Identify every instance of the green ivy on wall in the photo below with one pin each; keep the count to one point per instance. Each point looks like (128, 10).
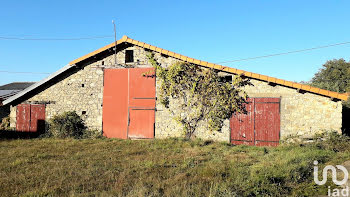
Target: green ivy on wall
(199, 93)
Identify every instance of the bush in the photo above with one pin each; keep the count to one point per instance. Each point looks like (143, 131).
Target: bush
(5, 124)
(66, 125)
(92, 134)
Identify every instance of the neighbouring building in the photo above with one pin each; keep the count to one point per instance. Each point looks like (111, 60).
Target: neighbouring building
(8, 90)
(122, 103)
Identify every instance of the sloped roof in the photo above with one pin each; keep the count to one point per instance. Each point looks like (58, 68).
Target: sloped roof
(217, 67)
(36, 85)
(16, 86)
(126, 39)
(11, 89)
(5, 94)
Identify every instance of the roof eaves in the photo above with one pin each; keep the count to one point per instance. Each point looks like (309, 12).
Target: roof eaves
(219, 67)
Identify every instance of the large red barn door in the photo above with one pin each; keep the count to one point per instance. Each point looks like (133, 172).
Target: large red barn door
(115, 102)
(260, 125)
(142, 103)
(129, 103)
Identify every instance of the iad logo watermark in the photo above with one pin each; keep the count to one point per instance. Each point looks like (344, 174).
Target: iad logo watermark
(336, 191)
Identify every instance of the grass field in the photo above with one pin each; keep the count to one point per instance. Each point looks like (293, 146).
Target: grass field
(172, 167)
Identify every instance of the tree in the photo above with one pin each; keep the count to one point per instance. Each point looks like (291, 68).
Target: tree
(192, 93)
(334, 76)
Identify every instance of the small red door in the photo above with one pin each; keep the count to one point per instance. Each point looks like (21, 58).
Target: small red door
(267, 121)
(37, 118)
(23, 118)
(260, 125)
(242, 126)
(30, 118)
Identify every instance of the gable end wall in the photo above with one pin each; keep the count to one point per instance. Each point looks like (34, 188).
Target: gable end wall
(301, 114)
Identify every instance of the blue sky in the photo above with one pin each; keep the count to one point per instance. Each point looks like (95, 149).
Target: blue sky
(213, 31)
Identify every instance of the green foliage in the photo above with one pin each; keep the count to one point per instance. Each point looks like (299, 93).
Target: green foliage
(67, 124)
(5, 124)
(198, 94)
(92, 134)
(334, 76)
(332, 141)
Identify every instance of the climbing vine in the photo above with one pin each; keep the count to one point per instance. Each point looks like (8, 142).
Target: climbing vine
(193, 94)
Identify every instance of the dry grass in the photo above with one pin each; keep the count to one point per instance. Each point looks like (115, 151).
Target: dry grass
(172, 167)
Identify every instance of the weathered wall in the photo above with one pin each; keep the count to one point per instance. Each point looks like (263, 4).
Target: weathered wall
(301, 113)
(166, 126)
(13, 116)
(80, 92)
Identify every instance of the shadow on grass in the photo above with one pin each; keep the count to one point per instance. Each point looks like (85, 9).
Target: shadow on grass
(11, 134)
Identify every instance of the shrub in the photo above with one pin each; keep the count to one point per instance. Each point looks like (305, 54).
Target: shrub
(67, 124)
(5, 124)
(92, 134)
(332, 141)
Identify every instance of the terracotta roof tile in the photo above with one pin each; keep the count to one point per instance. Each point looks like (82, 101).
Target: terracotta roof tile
(218, 67)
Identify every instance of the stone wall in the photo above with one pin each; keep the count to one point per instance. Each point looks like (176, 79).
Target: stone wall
(166, 126)
(81, 92)
(13, 116)
(301, 113)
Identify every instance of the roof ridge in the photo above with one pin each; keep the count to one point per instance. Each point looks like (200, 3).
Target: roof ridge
(342, 96)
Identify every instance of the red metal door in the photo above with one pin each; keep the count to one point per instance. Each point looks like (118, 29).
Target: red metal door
(23, 118)
(142, 103)
(115, 103)
(129, 103)
(260, 126)
(30, 118)
(141, 124)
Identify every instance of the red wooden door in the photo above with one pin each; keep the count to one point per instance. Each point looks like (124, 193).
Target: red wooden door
(243, 126)
(30, 118)
(260, 125)
(23, 118)
(267, 121)
(129, 103)
(37, 118)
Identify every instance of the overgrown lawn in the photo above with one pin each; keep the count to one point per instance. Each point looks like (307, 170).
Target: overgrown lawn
(172, 167)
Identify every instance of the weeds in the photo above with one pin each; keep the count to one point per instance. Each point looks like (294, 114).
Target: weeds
(171, 167)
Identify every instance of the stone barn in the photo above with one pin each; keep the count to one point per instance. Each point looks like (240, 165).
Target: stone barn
(106, 87)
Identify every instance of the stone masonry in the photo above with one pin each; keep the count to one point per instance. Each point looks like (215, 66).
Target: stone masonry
(301, 113)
